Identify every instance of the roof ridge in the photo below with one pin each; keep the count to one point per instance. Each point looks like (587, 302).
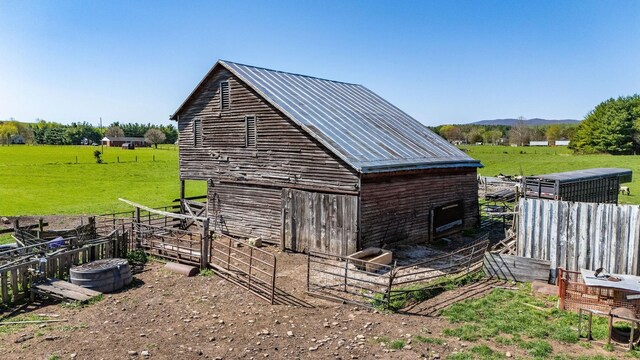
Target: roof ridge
(287, 72)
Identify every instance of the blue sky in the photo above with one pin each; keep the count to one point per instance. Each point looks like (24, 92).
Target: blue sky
(439, 61)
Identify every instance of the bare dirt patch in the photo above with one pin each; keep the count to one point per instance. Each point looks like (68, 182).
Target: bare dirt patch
(173, 317)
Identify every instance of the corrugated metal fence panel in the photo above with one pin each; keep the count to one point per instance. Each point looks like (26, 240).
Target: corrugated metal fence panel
(580, 235)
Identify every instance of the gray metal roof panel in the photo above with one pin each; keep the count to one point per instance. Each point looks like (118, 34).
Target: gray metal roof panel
(586, 174)
(359, 126)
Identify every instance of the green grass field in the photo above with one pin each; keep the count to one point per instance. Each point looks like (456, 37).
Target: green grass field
(544, 160)
(44, 180)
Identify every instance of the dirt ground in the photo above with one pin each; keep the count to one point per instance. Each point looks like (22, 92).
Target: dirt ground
(167, 316)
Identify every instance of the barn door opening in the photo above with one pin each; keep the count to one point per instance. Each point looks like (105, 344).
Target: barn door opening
(319, 222)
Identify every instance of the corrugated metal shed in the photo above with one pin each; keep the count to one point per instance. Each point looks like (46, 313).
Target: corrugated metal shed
(360, 127)
(588, 174)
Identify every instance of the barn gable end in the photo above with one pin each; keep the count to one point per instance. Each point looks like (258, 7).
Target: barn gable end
(313, 164)
(245, 181)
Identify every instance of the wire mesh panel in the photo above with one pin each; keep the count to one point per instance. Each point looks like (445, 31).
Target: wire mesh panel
(576, 295)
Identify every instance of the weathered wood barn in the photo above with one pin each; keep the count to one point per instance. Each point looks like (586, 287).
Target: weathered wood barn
(319, 165)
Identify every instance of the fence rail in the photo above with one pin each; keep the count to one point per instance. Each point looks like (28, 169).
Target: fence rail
(246, 266)
(16, 280)
(342, 279)
(170, 243)
(580, 235)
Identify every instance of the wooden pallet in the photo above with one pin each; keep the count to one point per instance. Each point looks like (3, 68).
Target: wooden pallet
(62, 290)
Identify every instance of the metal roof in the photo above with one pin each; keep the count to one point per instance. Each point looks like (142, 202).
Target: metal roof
(587, 174)
(360, 127)
(123, 138)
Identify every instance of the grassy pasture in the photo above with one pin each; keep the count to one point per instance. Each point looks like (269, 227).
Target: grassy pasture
(43, 180)
(544, 160)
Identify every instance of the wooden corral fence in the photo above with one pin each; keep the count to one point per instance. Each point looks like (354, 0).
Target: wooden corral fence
(169, 243)
(342, 279)
(159, 233)
(123, 221)
(16, 280)
(580, 235)
(30, 235)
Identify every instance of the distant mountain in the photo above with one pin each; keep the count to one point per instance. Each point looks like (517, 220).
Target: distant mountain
(530, 122)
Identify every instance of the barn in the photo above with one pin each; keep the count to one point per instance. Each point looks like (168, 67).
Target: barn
(319, 165)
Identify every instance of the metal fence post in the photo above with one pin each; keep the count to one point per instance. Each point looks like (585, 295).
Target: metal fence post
(308, 269)
(204, 245)
(346, 272)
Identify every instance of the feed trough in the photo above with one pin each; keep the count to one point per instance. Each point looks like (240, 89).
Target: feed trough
(371, 259)
(105, 275)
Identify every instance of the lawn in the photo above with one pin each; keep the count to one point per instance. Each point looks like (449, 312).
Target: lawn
(44, 180)
(515, 318)
(543, 160)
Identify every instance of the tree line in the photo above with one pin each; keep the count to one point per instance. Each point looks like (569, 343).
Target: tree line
(44, 132)
(612, 127)
(519, 134)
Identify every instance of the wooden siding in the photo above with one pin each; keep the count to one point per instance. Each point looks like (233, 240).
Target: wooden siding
(246, 182)
(397, 207)
(284, 154)
(580, 235)
(249, 211)
(326, 223)
(516, 268)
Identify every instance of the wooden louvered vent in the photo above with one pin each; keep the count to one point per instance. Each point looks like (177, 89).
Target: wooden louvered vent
(250, 127)
(197, 133)
(224, 95)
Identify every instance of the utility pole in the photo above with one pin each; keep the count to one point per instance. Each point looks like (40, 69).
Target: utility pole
(102, 133)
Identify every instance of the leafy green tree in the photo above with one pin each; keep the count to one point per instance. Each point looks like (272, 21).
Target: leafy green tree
(451, 132)
(7, 129)
(553, 133)
(612, 127)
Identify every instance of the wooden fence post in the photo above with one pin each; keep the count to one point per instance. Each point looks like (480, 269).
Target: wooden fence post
(136, 226)
(116, 248)
(204, 245)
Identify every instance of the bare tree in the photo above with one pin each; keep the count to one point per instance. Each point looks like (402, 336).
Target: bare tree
(520, 133)
(154, 136)
(114, 131)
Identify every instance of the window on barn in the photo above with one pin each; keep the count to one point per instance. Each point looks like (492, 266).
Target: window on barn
(197, 133)
(250, 131)
(224, 95)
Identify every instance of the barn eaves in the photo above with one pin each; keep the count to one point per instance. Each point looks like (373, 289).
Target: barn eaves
(366, 131)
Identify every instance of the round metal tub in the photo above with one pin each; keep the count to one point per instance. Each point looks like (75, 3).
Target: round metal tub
(105, 275)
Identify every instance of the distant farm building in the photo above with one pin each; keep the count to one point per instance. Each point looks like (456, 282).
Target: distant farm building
(319, 165)
(17, 139)
(549, 143)
(119, 141)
